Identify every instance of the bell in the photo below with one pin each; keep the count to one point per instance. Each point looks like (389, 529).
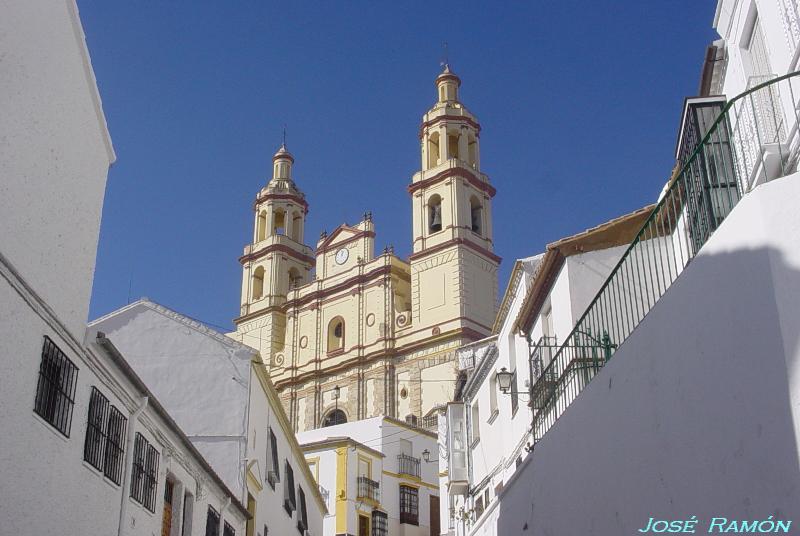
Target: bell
(436, 218)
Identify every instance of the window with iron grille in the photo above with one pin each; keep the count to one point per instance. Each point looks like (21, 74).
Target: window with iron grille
(55, 390)
(479, 506)
(409, 505)
(514, 393)
(212, 522)
(302, 515)
(228, 530)
(144, 475)
(380, 523)
(273, 463)
(105, 430)
(289, 501)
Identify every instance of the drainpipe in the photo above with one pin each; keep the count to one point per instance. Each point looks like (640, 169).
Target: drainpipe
(123, 507)
(222, 515)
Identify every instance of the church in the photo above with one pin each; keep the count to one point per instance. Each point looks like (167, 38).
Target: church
(348, 334)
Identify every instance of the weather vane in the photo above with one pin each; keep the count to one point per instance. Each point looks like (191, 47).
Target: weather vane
(444, 61)
(284, 135)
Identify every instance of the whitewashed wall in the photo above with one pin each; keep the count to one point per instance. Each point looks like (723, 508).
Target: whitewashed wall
(54, 156)
(698, 410)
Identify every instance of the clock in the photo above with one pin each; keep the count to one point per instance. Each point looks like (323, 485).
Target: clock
(342, 255)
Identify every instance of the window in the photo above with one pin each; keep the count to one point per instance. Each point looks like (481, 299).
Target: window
(261, 226)
(409, 505)
(144, 475)
(475, 210)
(289, 501)
(434, 214)
(273, 465)
(333, 418)
(295, 279)
(105, 433)
(380, 523)
(212, 522)
(258, 283)
(514, 394)
(476, 423)
(55, 391)
(492, 396)
(302, 515)
(336, 334)
(479, 506)
(279, 222)
(228, 530)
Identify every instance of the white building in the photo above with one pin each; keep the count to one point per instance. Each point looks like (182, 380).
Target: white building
(380, 475)
(544, 299)
(87, 448)
(670, 389)
(219, 392)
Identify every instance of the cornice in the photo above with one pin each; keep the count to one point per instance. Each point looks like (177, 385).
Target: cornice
(456, 242)
(290, 197)
(280, 248)
(461, 172)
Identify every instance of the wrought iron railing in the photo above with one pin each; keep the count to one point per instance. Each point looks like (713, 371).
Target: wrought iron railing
(408, 465)
(326, 495)
(749, 143)
(368, 489)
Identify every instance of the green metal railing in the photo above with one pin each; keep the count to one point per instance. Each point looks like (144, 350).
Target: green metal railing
(749, 143)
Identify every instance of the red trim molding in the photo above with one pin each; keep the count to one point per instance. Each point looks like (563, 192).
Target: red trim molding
(456, 242)
(464, 173)
(290, 197)
(326, 244)
(280, 248)
(453, 118)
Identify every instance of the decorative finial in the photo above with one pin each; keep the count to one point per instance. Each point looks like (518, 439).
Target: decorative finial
(284, 136)
(445, 59)
(323, 235)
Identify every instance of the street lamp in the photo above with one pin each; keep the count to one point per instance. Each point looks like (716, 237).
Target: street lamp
(426, 455)
(504, 378)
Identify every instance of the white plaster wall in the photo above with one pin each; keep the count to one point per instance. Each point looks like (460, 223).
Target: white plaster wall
(697, 412)
(46, 487)
(54, 154)
(203, 382)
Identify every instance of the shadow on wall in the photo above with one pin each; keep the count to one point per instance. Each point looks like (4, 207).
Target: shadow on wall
(691, 417)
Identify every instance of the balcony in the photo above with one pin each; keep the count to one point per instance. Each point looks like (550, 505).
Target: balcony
(368, 489)
(408, 465)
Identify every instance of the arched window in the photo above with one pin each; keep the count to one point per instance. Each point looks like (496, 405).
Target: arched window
(434, 214)
(297, 220)
(476, 211)
(258, 283)
(452, 146)
(336, 334)
(334, 417)
(295, 279)
(279, 222)
(261, 227)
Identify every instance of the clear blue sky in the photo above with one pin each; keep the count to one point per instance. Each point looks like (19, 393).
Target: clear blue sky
(579, 104)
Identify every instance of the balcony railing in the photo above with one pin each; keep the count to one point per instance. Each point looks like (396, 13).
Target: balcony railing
(368, 489)
(408, 465)
(748, 143)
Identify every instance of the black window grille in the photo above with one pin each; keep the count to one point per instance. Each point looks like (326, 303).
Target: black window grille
(289, 501)
(380, 523)
(94, 445)
(55, 391)
(273, 463)
(514, 393)
(409, 505)
(302, 515)
(144, 476)
(212, 522)
(228, 530)
(105, 431)
(115, 445)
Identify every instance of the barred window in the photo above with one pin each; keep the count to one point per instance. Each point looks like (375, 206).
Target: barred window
(302, 515)
(105, 429)
(273, 463)
(289, 501)
(212, 522)
(409, 505)
(144, 477)
(228, 530)
(514, 393)
(55, 391)
(380, 523)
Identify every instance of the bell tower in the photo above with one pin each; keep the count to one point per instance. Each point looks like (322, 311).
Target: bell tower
(277, 260)
(453, 267)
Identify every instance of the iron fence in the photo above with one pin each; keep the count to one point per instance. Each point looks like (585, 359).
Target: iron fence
(408, 465)
(749, 143)
(368, 489)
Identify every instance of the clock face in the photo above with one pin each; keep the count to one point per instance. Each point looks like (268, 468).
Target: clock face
(341, 256)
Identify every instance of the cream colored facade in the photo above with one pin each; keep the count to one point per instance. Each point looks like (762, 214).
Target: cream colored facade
(382, 328)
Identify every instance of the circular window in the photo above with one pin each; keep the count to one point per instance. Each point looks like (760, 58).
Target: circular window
(370, 320)
(303, 341)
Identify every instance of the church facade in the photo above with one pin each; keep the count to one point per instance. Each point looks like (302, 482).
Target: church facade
(348, 334)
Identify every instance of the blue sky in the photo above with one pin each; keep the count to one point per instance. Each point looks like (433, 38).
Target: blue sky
(579, 104)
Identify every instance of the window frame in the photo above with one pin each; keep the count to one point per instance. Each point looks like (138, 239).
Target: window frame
(144, 473)
(55, 387)
(289, 497)
(302, 512)
(212, 516)
(409, 505)
(274, 474)
(380, 523)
